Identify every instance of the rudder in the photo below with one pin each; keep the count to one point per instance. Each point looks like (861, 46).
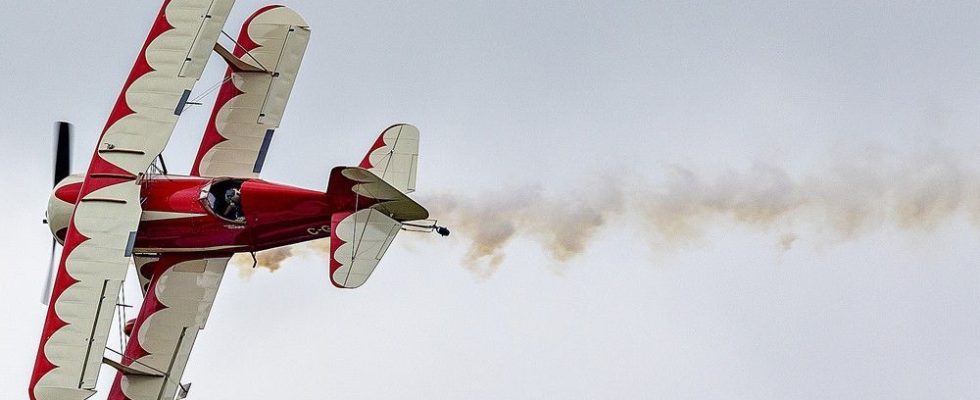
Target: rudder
(395, 156)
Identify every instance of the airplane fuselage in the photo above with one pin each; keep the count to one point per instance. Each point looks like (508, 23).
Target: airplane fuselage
(192, 214)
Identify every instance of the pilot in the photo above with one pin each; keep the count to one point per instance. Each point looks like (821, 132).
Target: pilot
(234, 208)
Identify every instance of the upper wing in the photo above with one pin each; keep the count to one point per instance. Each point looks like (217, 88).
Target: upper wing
(102, 229)
(250, 104)
(178, 301)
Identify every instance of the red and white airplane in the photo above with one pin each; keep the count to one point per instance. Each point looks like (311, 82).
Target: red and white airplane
(180, 231)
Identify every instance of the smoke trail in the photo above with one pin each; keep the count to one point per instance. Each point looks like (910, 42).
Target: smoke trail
(563, 226)
(272, 259)
(842, 201)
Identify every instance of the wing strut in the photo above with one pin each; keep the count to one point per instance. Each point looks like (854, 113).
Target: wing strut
(163, 165)
(235, 63)
(129, 370)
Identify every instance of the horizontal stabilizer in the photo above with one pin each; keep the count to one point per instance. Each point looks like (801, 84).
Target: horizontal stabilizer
(358, 240)
(375, 193)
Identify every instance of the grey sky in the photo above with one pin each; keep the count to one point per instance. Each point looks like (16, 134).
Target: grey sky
(510, 95)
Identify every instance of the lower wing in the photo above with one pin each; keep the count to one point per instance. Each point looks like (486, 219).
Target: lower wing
(179, 296)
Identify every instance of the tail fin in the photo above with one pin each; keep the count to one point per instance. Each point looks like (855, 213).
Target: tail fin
(395, 156)
(360, 235)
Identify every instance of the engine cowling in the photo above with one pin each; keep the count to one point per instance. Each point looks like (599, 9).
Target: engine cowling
(62, 204)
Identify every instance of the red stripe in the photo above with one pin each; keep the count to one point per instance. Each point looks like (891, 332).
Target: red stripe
(246, 42)
(335, 243)
(68, 193)
(366, 162)
(52, 322)
(151, 305)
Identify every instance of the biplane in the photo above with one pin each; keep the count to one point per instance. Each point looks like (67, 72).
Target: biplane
(180, 231)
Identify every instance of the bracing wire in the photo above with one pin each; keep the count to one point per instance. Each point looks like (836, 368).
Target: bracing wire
(119, 315)
(209, 90)
(243, 49)
(165, 375)
(227, 78)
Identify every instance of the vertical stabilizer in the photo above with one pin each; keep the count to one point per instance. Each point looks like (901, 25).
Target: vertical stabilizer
(395, 156)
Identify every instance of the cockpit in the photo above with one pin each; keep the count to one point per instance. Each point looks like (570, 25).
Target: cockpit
(223, 197)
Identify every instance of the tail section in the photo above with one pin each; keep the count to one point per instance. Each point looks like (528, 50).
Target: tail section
(375, 206)
(360, 236)
(395, 156)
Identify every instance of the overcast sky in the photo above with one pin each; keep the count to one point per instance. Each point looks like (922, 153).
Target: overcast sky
(540, 103)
